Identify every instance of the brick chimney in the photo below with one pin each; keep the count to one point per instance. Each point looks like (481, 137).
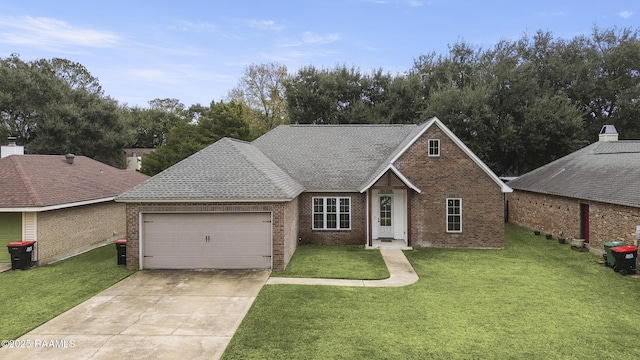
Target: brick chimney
(608, 133)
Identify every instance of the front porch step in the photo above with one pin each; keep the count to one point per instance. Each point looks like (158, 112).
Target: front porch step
(398, 244)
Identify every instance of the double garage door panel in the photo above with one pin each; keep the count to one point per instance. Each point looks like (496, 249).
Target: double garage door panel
(207, 241)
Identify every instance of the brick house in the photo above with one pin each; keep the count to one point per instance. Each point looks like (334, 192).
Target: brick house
(247, 205)
(134, 157)
(591, 194)
(65, 203)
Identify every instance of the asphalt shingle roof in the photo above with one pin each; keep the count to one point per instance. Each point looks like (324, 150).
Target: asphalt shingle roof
(47, 180)
(283, 163)
(228, 169)
(332, 157)
(603, 171)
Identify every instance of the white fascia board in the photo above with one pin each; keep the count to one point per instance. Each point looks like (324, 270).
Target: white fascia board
(398, 174)
(55, 207)
(404, 149)
(504, 187)
(404, 179)
(332, 191)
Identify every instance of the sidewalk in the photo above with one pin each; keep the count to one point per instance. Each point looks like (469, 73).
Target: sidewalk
(400, 270)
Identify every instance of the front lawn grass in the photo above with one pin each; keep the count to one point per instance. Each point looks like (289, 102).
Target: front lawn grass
(536, 299)
(335, 262)
(31, 297)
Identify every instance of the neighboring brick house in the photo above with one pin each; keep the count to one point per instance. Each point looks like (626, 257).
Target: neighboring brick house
(66, 204)
(591, 194)
(247, 205)
(135, 156)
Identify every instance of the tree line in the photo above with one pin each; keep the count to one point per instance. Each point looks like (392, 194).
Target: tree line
(518, 105)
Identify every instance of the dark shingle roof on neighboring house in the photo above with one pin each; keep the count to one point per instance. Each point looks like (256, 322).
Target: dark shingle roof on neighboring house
(603, 171)
(228, 169)
(37, 181)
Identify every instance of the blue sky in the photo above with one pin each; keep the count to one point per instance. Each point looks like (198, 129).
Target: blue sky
(196, 51)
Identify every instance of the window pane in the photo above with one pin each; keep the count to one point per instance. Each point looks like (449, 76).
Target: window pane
(332, 221)
(318, 205)
(345, 213)
(331, 213)
(434, 147)
(331, 205)
(344, 205)
(454, 215)
(318, 221)
(318, 213)
(344, 221)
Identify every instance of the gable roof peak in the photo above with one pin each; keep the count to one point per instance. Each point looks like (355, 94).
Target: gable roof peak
(227, 170)
(423, 127)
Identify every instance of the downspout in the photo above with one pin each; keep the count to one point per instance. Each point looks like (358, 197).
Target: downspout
(409, 193)
(369, 228)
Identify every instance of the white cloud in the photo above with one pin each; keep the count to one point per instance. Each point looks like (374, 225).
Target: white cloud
(52, 33)
(191, 26)
(175, 51)
(625, 14)
(264, 25)
(295, 57)
(309, 37)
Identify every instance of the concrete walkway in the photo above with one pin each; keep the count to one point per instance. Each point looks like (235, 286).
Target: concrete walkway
(5, 267)
(400, 269)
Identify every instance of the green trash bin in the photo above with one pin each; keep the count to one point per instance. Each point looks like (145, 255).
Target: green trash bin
(609, 259)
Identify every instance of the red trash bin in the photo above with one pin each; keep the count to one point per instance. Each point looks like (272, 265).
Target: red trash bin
(21, 254)
(626, 258)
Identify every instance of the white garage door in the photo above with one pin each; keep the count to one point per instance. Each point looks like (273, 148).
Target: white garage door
(206, 241)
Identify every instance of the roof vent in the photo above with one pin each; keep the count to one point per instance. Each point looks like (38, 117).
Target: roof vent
(69, 158)
(608, 133)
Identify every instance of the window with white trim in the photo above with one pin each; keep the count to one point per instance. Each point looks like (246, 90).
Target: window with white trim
(454, 215)
(434, 147)
(331, 213)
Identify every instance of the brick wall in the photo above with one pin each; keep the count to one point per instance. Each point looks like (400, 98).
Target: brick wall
(451, 175)
(357, 234)
(65, 232)
(560, 216)
(282, 228)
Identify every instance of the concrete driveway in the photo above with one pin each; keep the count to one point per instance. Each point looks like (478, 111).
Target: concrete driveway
(161, 314)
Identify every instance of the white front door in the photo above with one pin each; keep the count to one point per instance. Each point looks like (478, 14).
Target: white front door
(385, 226)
